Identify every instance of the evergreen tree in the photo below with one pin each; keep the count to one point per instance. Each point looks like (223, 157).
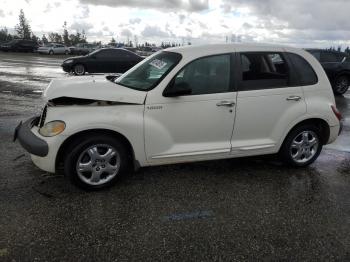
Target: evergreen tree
(4, 35)
(65, 35)
(44, 39)
(23, 28)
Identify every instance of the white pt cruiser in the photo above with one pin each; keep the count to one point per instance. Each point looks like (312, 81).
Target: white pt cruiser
(182, 105)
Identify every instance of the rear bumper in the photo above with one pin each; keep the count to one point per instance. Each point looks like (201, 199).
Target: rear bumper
(334, 132)
(30, 142)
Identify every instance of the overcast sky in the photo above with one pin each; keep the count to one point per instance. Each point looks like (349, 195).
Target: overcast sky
(304, 23)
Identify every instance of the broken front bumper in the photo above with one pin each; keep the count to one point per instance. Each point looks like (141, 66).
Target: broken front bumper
(30, 142)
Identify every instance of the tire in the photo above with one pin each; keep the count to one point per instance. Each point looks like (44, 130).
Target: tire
(79, 69)
(66, 52)
(302, 146)
(51, 52)
(94, 155)
(341, 85)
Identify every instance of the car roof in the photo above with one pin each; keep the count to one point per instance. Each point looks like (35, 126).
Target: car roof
(212, 49)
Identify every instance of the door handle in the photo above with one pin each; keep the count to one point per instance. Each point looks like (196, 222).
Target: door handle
(294, 98)
(226, 103)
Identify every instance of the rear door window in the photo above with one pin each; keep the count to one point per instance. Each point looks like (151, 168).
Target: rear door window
(304, 71)
(263, 70)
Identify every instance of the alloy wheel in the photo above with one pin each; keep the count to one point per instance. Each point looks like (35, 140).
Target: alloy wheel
(98, 164)
(304, 146)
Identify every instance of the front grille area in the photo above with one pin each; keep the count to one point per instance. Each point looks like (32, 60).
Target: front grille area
(43, 117)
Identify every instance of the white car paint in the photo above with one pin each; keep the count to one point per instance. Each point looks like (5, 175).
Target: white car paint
(92, 87)
(163, 130)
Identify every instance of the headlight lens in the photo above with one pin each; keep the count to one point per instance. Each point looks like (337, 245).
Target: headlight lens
(68, 61)
(52, 128)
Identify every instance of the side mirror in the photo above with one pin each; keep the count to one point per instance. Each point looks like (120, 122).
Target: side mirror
(179, 89)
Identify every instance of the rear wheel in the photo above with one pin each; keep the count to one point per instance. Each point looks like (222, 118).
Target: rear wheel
(302, 146)
(51, 52)
(96, 162)
(66, 52)
(79, 69)
(341, 85)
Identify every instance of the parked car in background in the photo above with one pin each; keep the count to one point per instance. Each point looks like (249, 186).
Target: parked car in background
(19, 45)
(83, 49)
(53, 49)
(147, 51)
(104, 60)
(184, 105)
(337, 66)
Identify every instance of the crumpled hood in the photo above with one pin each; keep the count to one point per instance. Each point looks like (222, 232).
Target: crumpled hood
(92, 87)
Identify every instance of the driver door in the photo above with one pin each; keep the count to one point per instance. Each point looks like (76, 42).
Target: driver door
(196, 121)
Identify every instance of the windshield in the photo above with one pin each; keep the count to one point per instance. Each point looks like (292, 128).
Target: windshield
(94, 52)
(150, 71)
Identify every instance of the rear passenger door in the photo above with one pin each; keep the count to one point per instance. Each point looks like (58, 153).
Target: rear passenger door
(59, 49)
(269, 99)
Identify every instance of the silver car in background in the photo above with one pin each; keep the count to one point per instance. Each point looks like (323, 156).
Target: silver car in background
(53, 49)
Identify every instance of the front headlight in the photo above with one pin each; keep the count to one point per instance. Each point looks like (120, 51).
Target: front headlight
(52, 128)
(68, 61)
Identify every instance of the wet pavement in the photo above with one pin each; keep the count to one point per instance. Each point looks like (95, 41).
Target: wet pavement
(236, 210)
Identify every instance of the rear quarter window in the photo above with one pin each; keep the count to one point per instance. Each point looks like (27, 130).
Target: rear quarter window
(305, 72)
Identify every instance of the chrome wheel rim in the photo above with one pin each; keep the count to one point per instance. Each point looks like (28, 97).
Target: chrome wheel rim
(98, 164)
(304, 147)
(342, 85)
(79, 69)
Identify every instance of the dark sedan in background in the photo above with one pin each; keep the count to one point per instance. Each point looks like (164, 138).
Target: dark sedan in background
(19, 45)
(337, 66)
(104, 60)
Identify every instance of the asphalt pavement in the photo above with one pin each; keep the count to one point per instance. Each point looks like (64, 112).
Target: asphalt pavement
(228, 210)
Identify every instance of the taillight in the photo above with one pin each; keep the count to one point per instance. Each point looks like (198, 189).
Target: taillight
(336, 112)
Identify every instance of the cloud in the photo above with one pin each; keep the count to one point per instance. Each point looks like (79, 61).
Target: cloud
(153, 31)
(174, 5)
(79, 26)
(182, 18)
(135, 20)
(126, 32)
(2, 14)
(297, 14)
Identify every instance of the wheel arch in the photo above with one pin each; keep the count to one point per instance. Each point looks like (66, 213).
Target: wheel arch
(319, 122)
(345, 72)
(118, 136)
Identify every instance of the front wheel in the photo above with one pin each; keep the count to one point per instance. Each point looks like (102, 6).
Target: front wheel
(96, 162)
(51, 52)
(79, 69)
(66, 52)
(302, 146)
(341, 85)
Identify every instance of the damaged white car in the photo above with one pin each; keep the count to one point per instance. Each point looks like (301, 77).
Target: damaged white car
(185, 104)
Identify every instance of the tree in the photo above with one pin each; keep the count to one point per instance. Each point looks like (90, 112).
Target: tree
(44, 39)
(23, 28)
(4, 35)
(112, 42)
(65, 35)
(35, 38)
(55, 37)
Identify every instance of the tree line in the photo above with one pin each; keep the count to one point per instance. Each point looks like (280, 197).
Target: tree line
(23, 31)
